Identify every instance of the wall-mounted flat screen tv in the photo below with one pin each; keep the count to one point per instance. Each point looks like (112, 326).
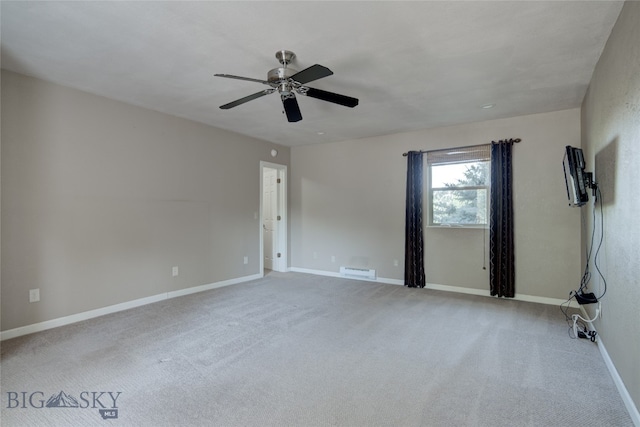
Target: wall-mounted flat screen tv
(575, 176)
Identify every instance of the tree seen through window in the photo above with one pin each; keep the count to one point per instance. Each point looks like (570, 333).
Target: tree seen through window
(459, 193)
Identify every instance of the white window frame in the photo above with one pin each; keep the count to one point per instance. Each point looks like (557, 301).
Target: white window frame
(452, 156)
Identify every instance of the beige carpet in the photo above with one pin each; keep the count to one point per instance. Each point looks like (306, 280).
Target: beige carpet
(300, 350)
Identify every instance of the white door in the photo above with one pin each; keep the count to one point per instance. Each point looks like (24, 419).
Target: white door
(273, 217)
(270, 217)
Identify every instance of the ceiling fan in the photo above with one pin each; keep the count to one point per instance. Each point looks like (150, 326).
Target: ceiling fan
(288, 82)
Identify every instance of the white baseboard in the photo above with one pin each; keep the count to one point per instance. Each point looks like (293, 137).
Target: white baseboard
(210, 286)
(539, 300)
(435, 286)
(624, 393)
(622, 389)
(86, 315)
(316, 272)
(337, 274)
(487, 293)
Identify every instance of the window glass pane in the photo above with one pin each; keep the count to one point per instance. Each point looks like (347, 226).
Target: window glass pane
(459, 187)
(466, 207)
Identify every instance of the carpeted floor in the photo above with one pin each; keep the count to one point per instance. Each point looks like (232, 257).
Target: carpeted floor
(300, 350)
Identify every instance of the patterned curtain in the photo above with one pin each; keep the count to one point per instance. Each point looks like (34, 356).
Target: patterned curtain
(414, 244)
(501, 245)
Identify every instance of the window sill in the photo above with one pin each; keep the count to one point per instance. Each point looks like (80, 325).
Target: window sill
(459, 227)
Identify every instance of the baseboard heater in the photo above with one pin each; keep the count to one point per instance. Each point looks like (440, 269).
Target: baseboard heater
(357, 273)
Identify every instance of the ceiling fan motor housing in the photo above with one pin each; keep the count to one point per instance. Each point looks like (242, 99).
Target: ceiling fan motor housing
(281, 77)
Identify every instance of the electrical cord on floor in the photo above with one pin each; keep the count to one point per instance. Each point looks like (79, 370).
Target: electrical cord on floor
(564, 307)
(579, 329)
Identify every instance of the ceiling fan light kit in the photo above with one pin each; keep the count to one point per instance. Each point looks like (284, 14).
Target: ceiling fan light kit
(287, 82)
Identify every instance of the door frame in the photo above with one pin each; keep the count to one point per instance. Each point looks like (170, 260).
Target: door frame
(281, 263)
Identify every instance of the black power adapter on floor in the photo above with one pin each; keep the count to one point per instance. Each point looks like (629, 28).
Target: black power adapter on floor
(587, 335)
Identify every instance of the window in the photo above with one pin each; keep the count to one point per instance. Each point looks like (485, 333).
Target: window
(458, 186)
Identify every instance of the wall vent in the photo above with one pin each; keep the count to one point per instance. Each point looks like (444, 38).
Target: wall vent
(357, 273)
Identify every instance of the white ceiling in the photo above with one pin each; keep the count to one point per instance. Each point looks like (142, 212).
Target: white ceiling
(413, 65)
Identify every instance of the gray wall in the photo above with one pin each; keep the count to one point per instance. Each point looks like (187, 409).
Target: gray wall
(100, 199)
(611, 139)
(347, 201)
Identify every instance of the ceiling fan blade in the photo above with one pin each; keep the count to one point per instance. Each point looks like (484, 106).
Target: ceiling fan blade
(231, 76)
(291, 107)
(246, 99)
(336, 98)
(312, 73)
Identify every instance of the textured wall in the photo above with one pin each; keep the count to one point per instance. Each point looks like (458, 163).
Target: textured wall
(100, 199)
(611, 139)
(348, 202)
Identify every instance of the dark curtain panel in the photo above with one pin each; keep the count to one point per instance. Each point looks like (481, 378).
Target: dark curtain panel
(501, 245)
(414, 244)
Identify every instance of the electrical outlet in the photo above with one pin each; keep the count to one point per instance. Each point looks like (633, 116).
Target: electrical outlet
(34, 295)
(395, 262)
(333, 258)
(246, 260)
(315, 255)
(174, 271)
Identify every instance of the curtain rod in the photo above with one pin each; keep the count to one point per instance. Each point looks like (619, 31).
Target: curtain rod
(515, 141)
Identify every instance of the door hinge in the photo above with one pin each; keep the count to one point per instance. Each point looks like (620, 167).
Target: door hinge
(278, 181)
(279, 217)
(279, 254)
